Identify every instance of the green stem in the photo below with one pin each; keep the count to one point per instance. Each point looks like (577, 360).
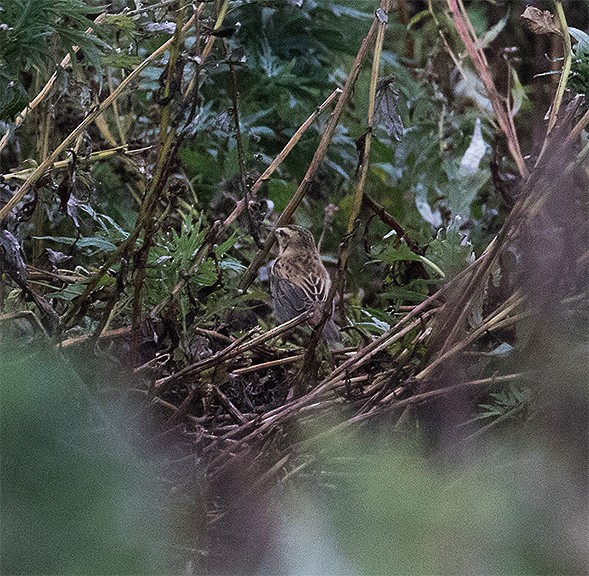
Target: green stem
(566, 67)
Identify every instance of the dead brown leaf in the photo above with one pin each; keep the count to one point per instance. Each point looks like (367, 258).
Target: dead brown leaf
(540, 21)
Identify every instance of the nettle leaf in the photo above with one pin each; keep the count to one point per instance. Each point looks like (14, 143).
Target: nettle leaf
(69, 293)
(120, 21)
(503, 402)
(120, 60)
(451, 251)
(581, 37)
(280, 192)
(490, 35)
(222, 249)
(205, 275)
(107, 223)
(413, 293)
(461, 188)
(399, 253)
(375, 321)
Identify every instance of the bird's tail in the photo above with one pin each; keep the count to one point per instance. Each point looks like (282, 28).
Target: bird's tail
(332, 335)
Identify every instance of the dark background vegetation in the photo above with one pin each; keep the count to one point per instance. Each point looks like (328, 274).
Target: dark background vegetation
(146, 421)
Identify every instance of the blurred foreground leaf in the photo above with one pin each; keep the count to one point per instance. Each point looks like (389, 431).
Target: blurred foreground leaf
(75, 497)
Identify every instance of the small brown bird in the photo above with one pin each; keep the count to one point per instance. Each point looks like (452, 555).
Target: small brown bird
(299, 282)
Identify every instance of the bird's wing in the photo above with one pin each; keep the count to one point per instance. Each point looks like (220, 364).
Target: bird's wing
(314, 286)
(292, 297)
(289, 299)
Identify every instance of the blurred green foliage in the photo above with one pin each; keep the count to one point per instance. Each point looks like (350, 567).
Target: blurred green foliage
(76, 498)
(397, 513)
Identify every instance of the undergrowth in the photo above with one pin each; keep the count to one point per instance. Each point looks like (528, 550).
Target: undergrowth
(149, 151)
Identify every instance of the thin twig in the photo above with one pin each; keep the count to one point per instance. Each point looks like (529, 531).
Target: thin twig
(239, 207)
(236, 348)
(267, 365)
(65, 164)
(392, 222)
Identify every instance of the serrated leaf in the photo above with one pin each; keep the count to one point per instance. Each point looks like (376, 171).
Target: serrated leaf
(120, 60)
(120, 21)
(399, 253)
(451, 252)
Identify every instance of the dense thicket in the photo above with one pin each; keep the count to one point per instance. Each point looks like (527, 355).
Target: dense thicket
(437, 151)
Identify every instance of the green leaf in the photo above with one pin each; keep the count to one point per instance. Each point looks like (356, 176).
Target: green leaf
(490, 35)
(400, 253)
(451, 252)
(90, 242)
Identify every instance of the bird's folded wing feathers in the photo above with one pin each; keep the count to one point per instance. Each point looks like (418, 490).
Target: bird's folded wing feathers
(291, 299)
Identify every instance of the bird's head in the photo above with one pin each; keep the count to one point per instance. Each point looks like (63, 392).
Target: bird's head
(294, 238)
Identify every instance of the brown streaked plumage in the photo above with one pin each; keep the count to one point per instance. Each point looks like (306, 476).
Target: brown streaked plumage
(298, 280)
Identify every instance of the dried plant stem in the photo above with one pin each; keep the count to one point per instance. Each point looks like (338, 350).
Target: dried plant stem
(266, 365)
(219, 227)
(239, 141)
(562, 81)
(477, 55)
(21, 117)
(167, 136)
(79, 130)
(44, 91)
(577, 130)
(236, 348)
(152, 194)
(240, 206)
(284, 412)
(359, 195)
(64, 164)
(210, 42)
(496, 321)
(566, 67)
(344, 250)
(389, 406)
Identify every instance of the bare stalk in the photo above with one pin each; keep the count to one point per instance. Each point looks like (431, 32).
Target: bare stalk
(477, 55)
